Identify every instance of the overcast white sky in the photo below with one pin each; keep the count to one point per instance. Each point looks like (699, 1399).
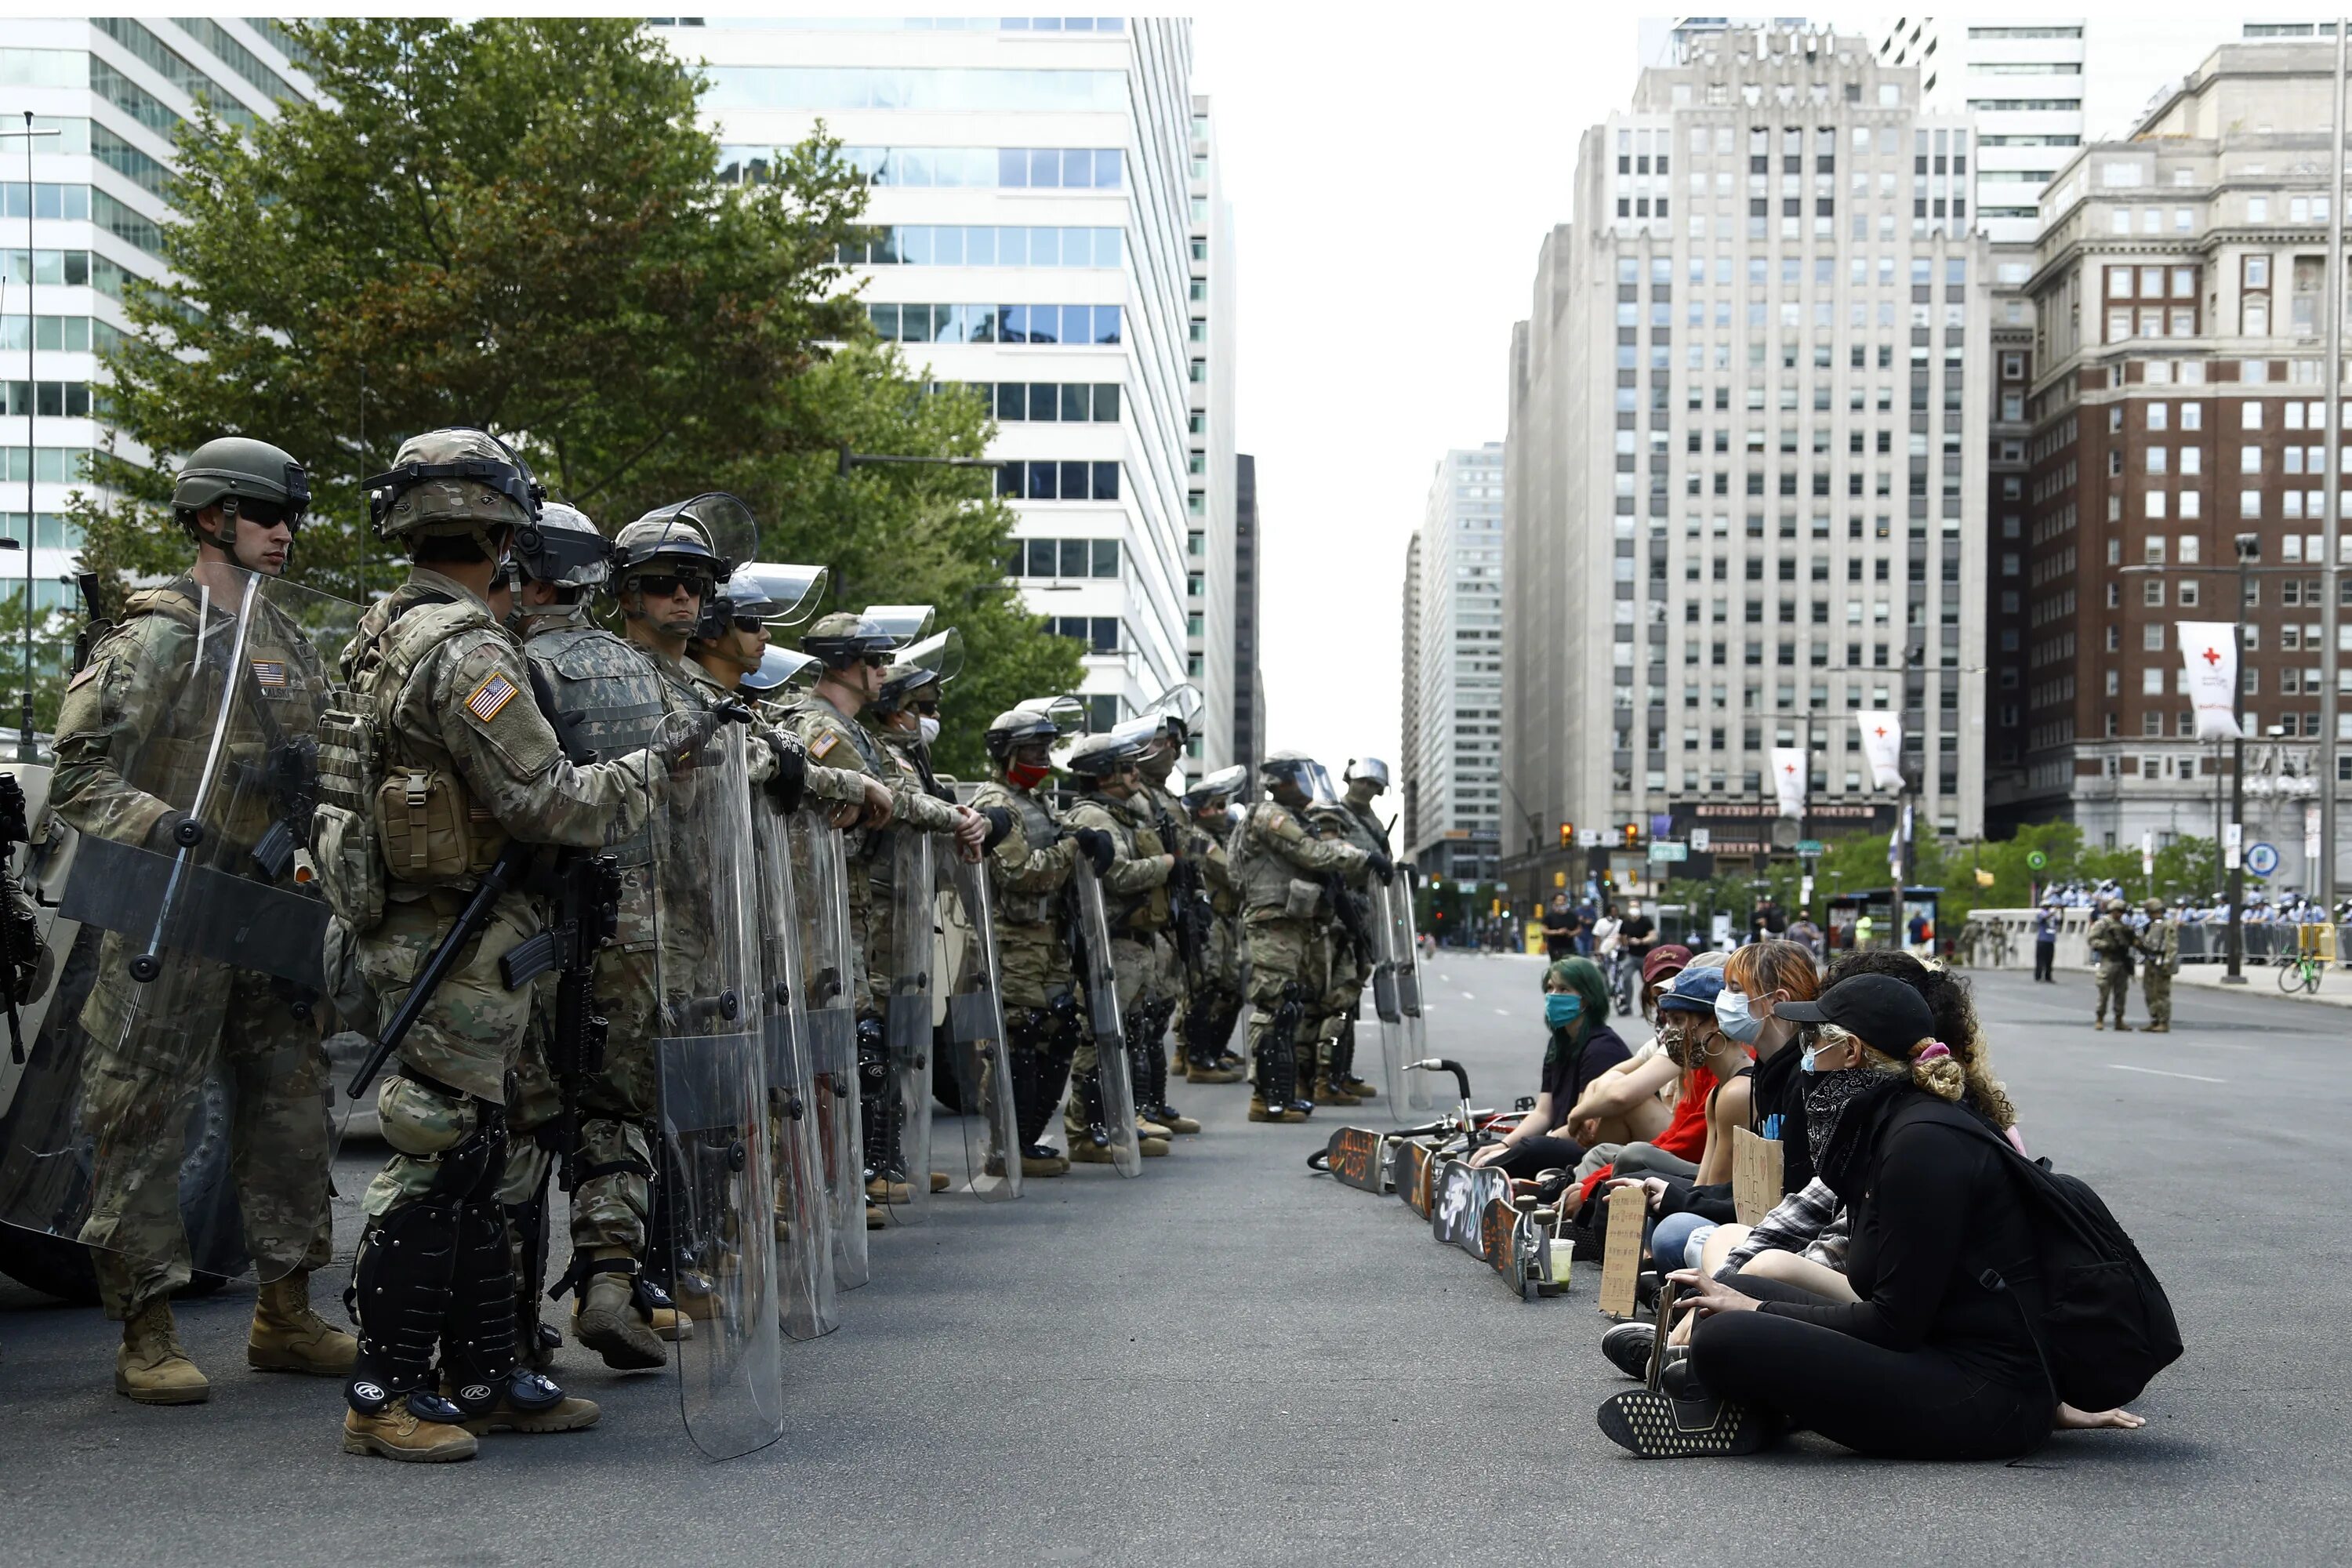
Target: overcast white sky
(1392, 174)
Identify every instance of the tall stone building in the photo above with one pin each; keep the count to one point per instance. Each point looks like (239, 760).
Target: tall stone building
(1744, 491)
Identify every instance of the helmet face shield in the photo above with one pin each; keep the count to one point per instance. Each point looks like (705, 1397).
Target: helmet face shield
(1182, 702)
(906, 622)
(707, 533)
(782, 596)
(562, 548)
(1370, 768)
(782, 668)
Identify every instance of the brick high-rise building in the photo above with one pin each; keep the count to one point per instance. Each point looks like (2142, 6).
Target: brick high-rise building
(2176, 403)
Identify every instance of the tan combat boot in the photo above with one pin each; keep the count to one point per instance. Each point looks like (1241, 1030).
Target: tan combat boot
(1260, 1112)
(879, 1190)
(152, 1367)
(607, 1320)
(1152, 1148)
(1175, 1123)
(940, 1182)
(398, 1434)
(877, 1218)
(288, 1336)
(1043, 1161)
(567, 1415)
(1337, 1093)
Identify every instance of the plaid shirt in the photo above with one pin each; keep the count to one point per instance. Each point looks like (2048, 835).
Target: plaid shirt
(1811, 1222)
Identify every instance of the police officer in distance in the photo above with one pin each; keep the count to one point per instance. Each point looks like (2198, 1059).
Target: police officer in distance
(464, 744)
(1214, 1001)
(127, 736)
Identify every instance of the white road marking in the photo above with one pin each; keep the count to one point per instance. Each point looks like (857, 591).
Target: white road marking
(1503, 1012)
(2160, 1072)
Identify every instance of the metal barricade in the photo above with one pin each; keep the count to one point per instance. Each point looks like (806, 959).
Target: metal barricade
(2196, 944)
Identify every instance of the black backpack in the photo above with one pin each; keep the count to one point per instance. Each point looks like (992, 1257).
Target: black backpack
(2107, 1326)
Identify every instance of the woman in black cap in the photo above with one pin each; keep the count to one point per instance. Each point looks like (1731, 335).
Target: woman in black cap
(1928, 1362)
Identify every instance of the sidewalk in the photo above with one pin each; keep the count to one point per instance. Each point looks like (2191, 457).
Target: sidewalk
(2335, 983)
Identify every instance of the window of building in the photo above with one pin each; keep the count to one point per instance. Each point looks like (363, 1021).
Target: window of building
(1044, 480)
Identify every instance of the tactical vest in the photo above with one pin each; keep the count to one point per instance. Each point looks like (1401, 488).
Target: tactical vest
(1270, 886)
(429, 829)
(1038, 829)
(1133, 914)
(608, 700)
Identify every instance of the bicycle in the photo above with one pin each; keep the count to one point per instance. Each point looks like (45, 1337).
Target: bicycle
(2300, 971)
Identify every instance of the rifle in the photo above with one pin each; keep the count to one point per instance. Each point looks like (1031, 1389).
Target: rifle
(587, 899)
(95, 623)
(1352, 921)
(291, 772)
(502, 876)
(20, 933)
(1188, 899)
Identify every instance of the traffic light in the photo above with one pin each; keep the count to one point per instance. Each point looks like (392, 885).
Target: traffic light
(1568, 835)
(1633, 835)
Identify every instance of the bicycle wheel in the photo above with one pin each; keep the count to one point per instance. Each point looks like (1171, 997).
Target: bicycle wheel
(2311, 978)
(2288, 978)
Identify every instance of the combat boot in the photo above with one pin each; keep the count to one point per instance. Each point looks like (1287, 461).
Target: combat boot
(1176, 1121)
(1040, 1160)
(608, 1320)
(881, 1191)
(1152, 1148)
(1335, 1092)
(288, 1336)
(1147, 1125)
(940, 1182)
(1206, 1072)
(396, 1432)
(152, 1367)
(1259, 1111)
(877, 1218)
(526, 1402)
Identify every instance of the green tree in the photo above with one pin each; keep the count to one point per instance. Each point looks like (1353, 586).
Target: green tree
(516, 224)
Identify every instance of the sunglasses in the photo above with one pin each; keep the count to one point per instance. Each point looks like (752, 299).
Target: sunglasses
(662, 585)
(876, 661)
(269, 514)
(748, 625)
(929, 710)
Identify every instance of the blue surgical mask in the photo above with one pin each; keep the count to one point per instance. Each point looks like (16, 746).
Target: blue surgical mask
(1732, 1016)
(1561, 1008)
(1806, 1061)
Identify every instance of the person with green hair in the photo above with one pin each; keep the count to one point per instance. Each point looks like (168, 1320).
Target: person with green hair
(1581, 1049)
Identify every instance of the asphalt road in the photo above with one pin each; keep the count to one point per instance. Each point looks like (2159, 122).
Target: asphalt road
(1234, 1360)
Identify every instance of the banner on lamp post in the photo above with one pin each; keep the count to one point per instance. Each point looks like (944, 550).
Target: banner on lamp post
(1788, 780)
(1882, 743)
(2209, 653)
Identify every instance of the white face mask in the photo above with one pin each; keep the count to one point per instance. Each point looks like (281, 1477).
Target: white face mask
(930, 727)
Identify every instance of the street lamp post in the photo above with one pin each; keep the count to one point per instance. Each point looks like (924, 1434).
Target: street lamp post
(32, 410)
(2330, 659)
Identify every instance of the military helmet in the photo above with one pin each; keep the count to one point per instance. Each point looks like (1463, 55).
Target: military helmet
(772, 594)
(2155, 906)
(562, 548)
(845, 638)
(1217, 788)
(1177, 710)
(1370, 768)
(667, 538)
(1291, 767)
(1099, 755)
(934, 661)
(2116, 906)
(1018, 726)
(456, 480)
(254, 478)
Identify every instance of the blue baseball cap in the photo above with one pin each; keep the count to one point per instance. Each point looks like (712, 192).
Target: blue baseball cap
(1693, 991)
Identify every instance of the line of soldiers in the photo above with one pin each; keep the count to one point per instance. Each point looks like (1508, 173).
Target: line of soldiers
(2156, 948)
(668, 915)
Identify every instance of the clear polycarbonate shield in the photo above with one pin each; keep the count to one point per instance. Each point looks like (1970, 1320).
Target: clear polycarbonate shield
(778, 594)
(782, 668)
(905, 1160)
(830, 980)
(978, 1053)
(719, 1182)
(803, 1217)
(1419, 1093)
(724, 520)
(170, 1110)
(1387, 1005)
(936, 658)
(1112, 1116)
(908, 623)
(1316, 779)
(1182, 702)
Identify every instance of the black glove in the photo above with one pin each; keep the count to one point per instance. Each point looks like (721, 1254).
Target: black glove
(1096, 846)
(1000, 823)
(790, 778)
(1382, 866)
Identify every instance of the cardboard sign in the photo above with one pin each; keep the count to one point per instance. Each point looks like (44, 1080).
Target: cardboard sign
(1621, 1249)
(1756, 1171)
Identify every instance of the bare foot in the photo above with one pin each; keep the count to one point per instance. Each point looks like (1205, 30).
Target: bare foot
(2073, 1420)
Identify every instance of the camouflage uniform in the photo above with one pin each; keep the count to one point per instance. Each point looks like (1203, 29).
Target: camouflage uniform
(1280, 865)
(2110, 942)
(1029, 872)
(134, 731)
(2159, 946)
(1213, 998)
(1343, 995)
(1135, 905)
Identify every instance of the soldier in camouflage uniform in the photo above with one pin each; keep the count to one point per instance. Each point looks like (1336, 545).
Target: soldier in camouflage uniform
(2111, 941)
(462, 742)
(1281, 864)
(1172, 979)
(120, 761)
(1350, 820)
(1029, 868)
(855, 652)
(2160, 949)
(1213, 1001)
(608, 700)
(1113, 831)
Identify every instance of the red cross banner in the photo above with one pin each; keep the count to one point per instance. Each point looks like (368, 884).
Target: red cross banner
(2209, 656)
(1882, 742)
(1788, 780)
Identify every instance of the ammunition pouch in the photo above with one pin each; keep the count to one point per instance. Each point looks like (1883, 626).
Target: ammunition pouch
(432, 832)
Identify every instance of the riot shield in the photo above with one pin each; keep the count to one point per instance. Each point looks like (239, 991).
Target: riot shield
(978, 1053)
(805, 1247)
(1409, 1092)
(172, 1113)
(830, 985)
(1386, 1005)
(904, 1161)
(1112, 1118)
(717, 1184)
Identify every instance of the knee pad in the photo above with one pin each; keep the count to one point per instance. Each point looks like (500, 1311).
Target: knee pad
(422, 1122)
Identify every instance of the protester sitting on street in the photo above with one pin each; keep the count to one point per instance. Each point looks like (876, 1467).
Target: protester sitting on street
(1613, 1105)
(1936, 1214)
(1582, 1045)
(1701, 1054)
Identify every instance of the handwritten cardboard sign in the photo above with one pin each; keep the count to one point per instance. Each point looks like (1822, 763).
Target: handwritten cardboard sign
(1621, 1249)
(1755, 1174)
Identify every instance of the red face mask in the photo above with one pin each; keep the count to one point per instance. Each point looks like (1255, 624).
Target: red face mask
(1026, 775)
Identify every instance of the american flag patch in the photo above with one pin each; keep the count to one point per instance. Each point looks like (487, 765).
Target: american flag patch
(490, 698)
(269, 672)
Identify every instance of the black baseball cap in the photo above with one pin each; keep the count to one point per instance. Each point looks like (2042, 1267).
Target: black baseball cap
(1887, 1015)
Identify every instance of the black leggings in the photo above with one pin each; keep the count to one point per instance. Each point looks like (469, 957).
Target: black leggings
(1531, 1157)
(1899, 1404)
